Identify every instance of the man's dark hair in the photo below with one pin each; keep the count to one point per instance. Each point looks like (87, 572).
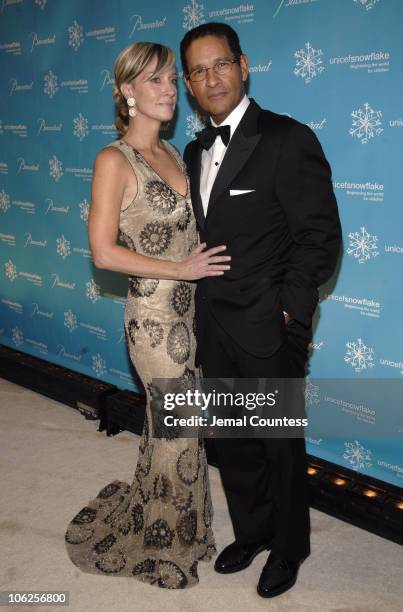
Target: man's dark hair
(210, 29)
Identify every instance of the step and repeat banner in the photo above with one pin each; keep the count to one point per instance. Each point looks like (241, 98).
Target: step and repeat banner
(335, 65)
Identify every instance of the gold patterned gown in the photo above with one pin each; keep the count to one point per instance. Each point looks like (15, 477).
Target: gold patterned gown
(159, 527)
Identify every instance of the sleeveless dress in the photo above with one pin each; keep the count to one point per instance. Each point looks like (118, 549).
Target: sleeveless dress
(159, 527)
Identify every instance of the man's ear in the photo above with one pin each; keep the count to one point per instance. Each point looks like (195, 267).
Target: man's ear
(244, 64)
(188, 84)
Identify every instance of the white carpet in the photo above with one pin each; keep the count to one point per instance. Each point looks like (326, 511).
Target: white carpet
(53, 461)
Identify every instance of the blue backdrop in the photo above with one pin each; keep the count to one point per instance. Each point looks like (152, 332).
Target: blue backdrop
(336, 65)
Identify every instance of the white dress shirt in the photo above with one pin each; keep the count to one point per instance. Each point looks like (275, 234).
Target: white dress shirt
(212, 159)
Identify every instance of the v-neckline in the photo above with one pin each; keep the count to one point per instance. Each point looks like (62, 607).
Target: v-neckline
(156, 173)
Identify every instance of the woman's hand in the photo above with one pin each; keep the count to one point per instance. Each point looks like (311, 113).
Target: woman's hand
(203, 263)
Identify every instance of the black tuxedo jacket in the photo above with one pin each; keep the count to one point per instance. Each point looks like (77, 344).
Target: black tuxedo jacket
(284, 236)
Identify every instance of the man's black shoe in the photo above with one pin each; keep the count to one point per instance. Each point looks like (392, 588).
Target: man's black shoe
(236, 557)
(278, 575)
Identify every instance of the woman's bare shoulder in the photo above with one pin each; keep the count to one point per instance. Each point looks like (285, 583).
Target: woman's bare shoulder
(110, 158)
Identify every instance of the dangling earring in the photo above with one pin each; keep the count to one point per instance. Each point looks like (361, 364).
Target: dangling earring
(131, 102)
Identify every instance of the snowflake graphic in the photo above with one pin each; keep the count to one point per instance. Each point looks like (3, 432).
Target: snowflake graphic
(92, 291)
(17, 336)
(366, 123)
(84, 210)
(311, 393)
(193, 15)
(362, 245)
(11, 270)
(309, 63)
(50, 86)
(194, 123)
(41, 3)
(4, 201)
(55, 168)
(98, 364)
(76, 35)
(359, 356)
(369, 4)
(357, 455)
(63, 246)
(80, 124)
(70, 320)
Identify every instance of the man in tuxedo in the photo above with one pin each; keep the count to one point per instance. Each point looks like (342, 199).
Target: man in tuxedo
(260, 185)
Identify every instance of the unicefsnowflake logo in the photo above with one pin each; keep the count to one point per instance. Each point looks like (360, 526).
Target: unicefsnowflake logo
(362, 246)
(92, 291)
(84, 210)
(63, 246)
(311, 393)
(17, 336)
(70, 320)
(50, 85)
(368, 4)
(10, 270)
(359, 356)
(309, 63)
(80, 127)
(194, 123)
(4, 201)
(366, 123)
(357, 455)
(98, 364)
(55, 168)
(193, 15)
(76, 35)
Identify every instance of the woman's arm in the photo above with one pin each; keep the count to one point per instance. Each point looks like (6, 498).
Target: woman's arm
(114, 180)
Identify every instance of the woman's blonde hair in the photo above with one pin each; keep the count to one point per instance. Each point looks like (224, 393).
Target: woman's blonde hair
(129, 64)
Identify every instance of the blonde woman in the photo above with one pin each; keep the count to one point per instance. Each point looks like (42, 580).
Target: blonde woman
(159, 527)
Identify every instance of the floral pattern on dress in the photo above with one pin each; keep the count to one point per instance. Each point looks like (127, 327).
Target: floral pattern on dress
(142, 287)
(162, 487)
(186, 528)
(132, 327)
(187, 466)
(126, 238)
(155, 238)
(171, 576)
(178, 343)
(113, 563)
(160, 197)
(138, 518)
(155, 332)
(85, 516)
(185, 218)
(159, 535)
(181, 297)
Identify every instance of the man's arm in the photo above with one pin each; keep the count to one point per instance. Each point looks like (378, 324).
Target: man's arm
(304, 188)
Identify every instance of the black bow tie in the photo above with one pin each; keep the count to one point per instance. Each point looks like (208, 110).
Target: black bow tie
(207, 136)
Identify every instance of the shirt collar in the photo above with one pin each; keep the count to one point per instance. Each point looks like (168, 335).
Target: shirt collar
(235, 116)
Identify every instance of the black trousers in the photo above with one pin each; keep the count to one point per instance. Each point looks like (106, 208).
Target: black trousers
(265, 480)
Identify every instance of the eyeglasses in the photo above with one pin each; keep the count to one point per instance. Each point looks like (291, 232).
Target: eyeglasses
(221, 67)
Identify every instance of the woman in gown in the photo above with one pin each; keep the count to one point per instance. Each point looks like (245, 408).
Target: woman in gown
(159, 527)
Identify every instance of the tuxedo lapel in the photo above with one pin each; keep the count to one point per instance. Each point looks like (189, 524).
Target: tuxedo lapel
(195, 171)
(240, 148)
